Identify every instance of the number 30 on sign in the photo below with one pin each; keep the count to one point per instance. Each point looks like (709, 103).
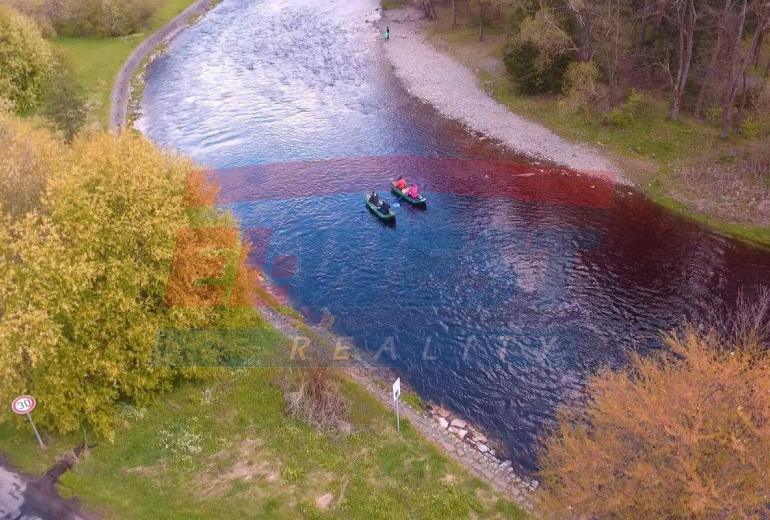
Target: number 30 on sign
(23, 404)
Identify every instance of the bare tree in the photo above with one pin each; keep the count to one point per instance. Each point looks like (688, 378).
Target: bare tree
(684, 17)
(742, 56)
(716, 52)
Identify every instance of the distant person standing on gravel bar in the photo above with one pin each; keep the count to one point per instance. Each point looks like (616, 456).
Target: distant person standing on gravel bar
(386, 36)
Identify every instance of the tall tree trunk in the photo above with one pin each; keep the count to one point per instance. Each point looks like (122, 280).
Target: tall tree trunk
(454, 13)
(747, 57)
(481, 20)
(744, 99)
(716, 51)
(646, 13)
(584, 43)
(687, 20)
(586, 52)
(728, 100)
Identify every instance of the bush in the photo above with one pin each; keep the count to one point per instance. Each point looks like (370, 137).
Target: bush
(626, 114)
(37, 10)
(313, 395)
(100, 18)
(29, 156)
(530, 75)
(25, 60)
(684, 434)
(581, 88)
(65, 103)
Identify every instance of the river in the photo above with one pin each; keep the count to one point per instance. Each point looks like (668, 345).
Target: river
(518, 281)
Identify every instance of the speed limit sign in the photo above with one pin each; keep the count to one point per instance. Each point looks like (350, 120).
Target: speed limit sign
(23, 404)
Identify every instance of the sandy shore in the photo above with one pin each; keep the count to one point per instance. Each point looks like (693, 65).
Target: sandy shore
(449, 86)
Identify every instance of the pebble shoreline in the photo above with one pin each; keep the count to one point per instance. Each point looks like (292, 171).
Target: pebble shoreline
(453, 90)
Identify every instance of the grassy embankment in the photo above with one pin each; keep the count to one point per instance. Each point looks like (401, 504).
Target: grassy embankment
(651, 149)
(96, 61)
(226, 449)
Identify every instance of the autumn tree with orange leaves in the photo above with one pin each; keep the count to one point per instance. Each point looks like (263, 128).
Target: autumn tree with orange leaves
(682, 434)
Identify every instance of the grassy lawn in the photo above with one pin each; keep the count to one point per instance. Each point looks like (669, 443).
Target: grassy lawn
(224, 448)
(227, 450)
(649, 149)
(96, 61)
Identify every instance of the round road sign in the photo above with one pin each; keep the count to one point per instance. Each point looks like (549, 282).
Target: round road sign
(23, 404)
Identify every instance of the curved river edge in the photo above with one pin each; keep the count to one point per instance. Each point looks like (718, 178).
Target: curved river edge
(123, 88)
(438, 79)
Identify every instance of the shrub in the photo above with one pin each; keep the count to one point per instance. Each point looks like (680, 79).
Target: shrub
(684, 434)
(626, 114)
(65, 103)
(314, 396)
(581, 88)
(529, 73)
(29, 156)
(25, 60)
(100, 18)
(37, 10)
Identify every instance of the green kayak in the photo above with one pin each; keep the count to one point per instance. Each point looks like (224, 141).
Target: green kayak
(415, 202)
(377, 209)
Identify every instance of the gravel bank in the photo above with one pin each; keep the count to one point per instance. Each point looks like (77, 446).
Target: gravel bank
(121, 90)
(448, 85)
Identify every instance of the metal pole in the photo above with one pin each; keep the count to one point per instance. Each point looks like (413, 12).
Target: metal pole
(398, 419)
(34, 429)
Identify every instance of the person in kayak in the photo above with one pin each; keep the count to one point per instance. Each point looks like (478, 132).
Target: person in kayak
(413, 192)
(400, 183)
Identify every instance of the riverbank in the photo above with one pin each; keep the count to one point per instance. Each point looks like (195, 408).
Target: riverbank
(465, 79)
(140, 57)
(437, 78)
(96, 62)
(227, 449)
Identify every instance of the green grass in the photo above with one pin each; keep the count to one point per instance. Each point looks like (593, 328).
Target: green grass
(96, 61)
(235, 454)
(393, 4)
(18, 444)
(224, 447)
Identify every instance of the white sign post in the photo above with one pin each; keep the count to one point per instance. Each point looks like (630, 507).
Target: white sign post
(23, 405)
(396, 395)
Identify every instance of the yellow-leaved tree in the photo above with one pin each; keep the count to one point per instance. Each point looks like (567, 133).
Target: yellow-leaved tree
(26, 60)
(85, 265)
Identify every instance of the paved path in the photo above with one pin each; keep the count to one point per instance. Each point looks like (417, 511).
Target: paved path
(26, 498)
(121, 90)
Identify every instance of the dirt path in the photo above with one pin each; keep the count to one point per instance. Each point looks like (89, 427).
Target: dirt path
(440, 80)
(121, 91)
(28, 498)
